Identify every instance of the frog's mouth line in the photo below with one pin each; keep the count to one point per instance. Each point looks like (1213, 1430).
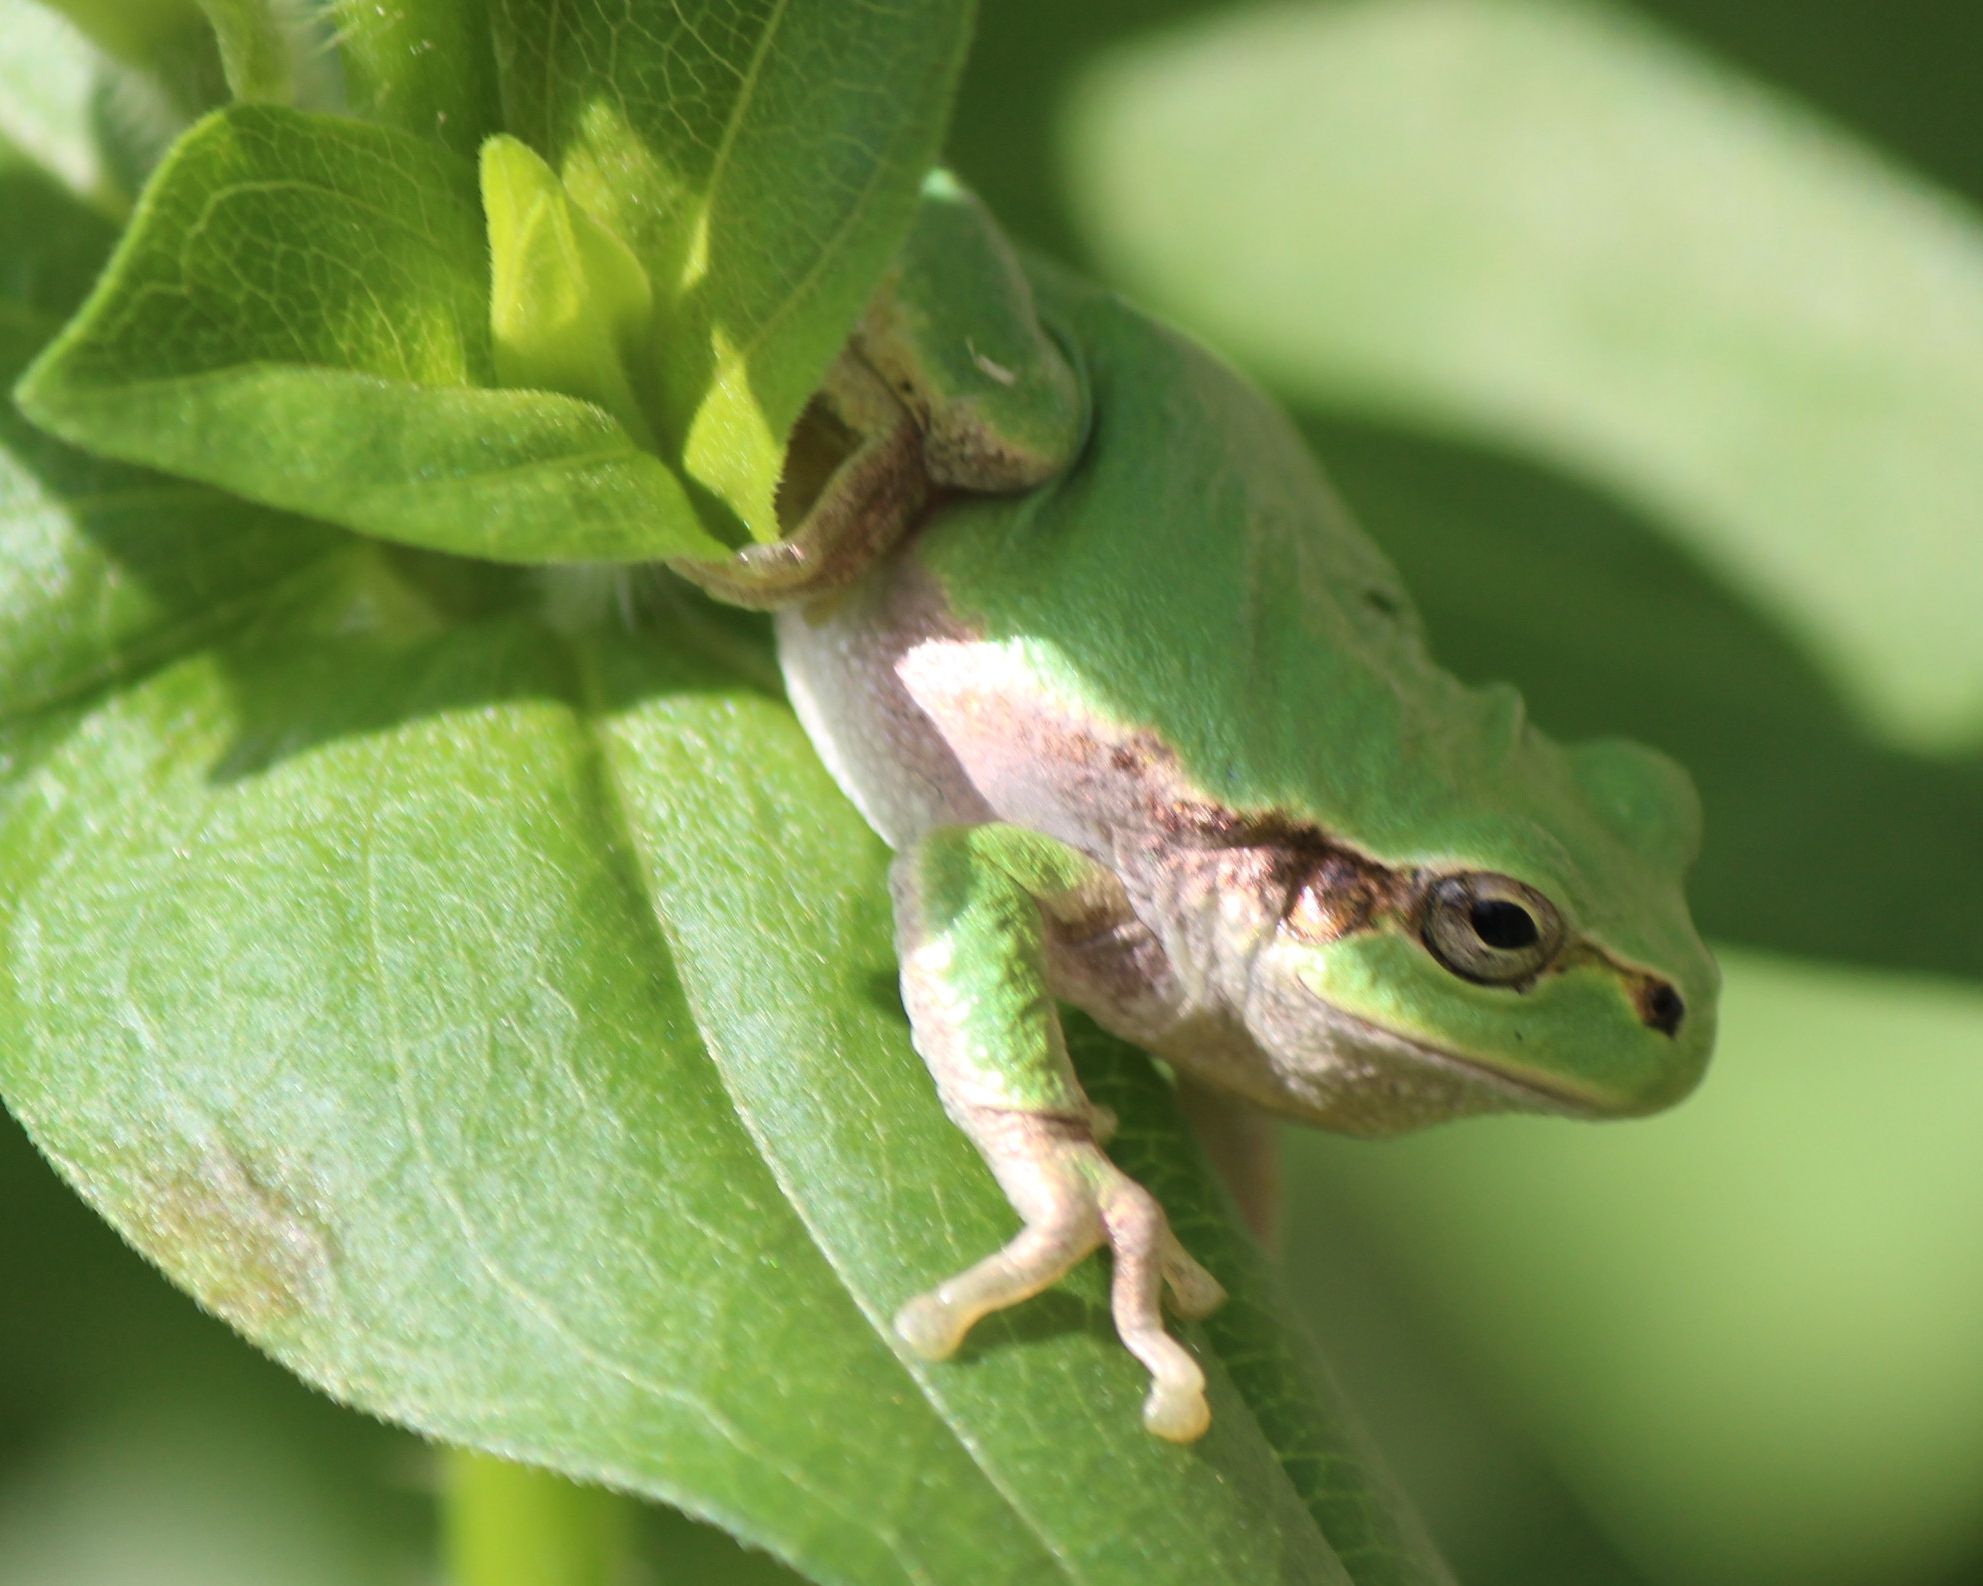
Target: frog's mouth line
(1539, 1096)
(1530, 1094)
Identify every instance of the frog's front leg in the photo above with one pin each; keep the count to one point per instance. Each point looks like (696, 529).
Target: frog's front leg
(968, 918)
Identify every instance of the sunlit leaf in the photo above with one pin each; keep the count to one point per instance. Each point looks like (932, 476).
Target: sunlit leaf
(91, 121)
(1545, 224)
(570, 305)
(498, 1028)
(106, 569)
(300, 315)
(762, 158)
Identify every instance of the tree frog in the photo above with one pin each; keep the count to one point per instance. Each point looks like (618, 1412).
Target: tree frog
(1152, 728)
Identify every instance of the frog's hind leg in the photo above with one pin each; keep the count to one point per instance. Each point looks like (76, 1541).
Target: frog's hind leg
(968, 902)
(950, 383)
(1243, 1145)
(854, 484)
(1038, 1160)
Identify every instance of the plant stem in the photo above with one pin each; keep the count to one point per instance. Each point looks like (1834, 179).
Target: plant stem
(512, 1525)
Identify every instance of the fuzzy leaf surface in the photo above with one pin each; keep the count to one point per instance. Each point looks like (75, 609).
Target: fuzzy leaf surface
(1545, 225)
(497, 1026)
(762, 157)
(299, 315)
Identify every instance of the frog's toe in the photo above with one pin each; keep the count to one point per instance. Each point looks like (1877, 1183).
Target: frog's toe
(1176, 1409)
(931, 1326)
(934, 1324)
(1194, 1292)
(1147, 1255)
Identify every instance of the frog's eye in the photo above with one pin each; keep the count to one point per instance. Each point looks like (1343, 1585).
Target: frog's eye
(1490, 929)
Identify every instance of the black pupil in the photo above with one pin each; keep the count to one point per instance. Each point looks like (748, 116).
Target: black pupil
(1505, 926)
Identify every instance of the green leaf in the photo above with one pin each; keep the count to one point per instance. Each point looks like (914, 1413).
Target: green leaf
(569, 302)
(254, 49)
(691, 1551)
(299, 314)
(107, 569)
(424, 66)
(1545, 225)
(762, 158)
(91, 121)
(499, 1028)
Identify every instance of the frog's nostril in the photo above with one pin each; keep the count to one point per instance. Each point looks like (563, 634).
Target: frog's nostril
(1662, 1008)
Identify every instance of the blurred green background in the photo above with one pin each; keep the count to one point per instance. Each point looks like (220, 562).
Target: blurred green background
(1649, 341)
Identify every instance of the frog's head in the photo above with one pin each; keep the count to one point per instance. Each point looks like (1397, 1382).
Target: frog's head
(1539, 955)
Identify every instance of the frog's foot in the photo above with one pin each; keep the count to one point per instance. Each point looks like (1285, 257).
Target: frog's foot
(854, 483)
(1073, 1199)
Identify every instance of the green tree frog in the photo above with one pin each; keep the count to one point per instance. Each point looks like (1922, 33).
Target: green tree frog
(1072, 616)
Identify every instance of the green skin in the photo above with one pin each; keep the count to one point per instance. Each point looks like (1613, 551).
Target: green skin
(1075, 619)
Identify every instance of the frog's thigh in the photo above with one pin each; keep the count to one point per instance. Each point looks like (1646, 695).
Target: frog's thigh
(1243, 1145)
(956, 335)
(856, 459)
(968, 904)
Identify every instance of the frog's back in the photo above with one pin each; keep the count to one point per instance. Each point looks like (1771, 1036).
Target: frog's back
(1195, 579)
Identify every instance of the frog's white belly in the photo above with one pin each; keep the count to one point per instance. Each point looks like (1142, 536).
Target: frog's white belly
(924, 724)
(842, 658)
